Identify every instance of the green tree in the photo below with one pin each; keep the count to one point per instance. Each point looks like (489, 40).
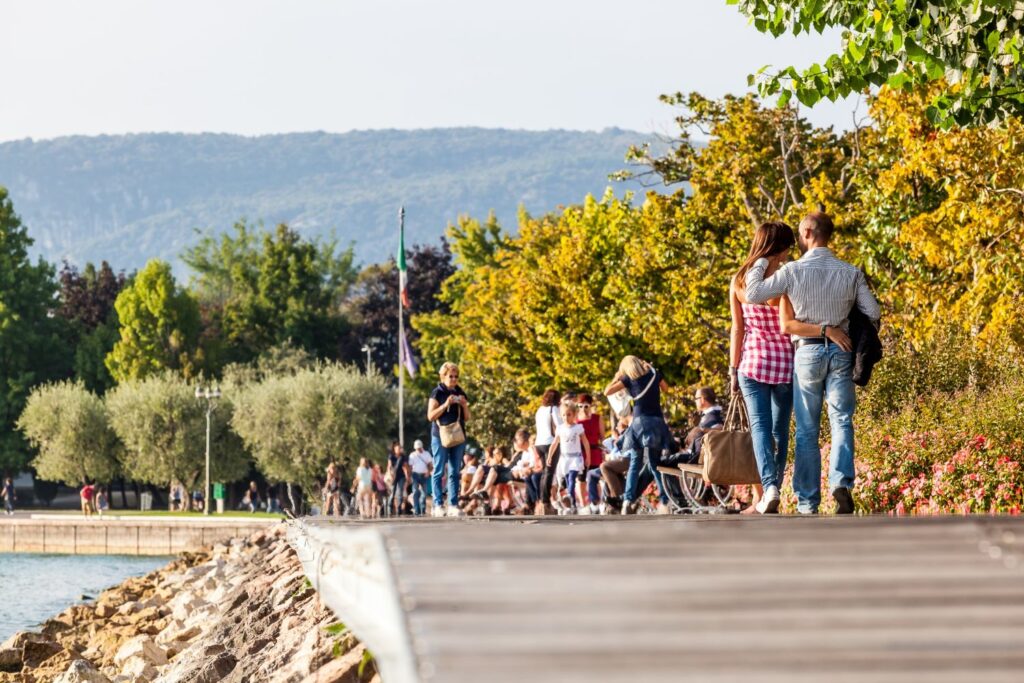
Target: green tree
(296, 423)
(163, 428)
(973, 46)
(267, 288)
(69, 426)
(32, 347)
(159, 327)
(87, 303)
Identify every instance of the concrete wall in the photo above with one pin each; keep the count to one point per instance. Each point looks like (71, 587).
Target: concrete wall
(110, 537)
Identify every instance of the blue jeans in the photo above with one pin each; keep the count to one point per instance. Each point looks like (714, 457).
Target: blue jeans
(769, 407)
(570, 483)
(533, 487)
(446, 460)
(594, 485)
(650, 433)
(822, 373)
(419, 493)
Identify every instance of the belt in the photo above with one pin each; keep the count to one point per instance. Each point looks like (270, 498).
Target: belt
(807, 341)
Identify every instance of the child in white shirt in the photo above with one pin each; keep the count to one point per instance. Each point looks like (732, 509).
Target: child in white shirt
(574, 451)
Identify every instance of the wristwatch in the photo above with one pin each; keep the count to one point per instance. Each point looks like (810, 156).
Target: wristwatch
(824, 329)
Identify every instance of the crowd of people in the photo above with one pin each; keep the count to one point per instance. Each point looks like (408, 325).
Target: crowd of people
(802, 331)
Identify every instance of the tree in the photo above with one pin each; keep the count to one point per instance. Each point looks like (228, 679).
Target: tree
(31, 339)
(70, 427)
(267, 288)
(973, 46)
(159, 327)
(374, 304)
(87, 303)
(295, 424)
(163, 428)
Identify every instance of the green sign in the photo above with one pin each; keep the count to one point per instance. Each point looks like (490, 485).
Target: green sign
(218, 491)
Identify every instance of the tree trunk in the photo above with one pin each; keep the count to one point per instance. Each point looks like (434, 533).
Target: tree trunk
(291, 499)
(124, 495)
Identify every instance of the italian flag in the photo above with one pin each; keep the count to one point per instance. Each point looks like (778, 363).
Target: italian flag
(403, 276)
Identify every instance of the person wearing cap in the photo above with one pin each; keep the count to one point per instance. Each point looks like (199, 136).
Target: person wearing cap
(421, 463)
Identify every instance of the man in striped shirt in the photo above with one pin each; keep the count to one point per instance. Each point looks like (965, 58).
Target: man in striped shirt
(823, 291)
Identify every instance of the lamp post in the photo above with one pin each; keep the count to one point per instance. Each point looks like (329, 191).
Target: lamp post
(366, 350)
(210, 394)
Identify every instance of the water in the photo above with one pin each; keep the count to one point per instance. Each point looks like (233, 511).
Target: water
(35, 587)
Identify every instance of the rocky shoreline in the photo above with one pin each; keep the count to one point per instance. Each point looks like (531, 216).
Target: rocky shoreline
(237, 611)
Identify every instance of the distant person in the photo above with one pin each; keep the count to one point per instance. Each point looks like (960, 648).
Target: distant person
(448, 409)
(9, 495)
(102, 500)
(593, 428)
(420, 462)
(572, 444)
(648, 429)
(380, 488)
(528, 467)
(820, 292)
(546, 421)
(332, 491)
(252, 501)
(398, 468)
(761, 365)
(273, 501)
(176, 500)
(86, 494)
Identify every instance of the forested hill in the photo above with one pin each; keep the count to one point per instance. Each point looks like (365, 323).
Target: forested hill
(128, 198)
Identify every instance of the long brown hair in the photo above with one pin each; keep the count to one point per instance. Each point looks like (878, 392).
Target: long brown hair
(769, 239)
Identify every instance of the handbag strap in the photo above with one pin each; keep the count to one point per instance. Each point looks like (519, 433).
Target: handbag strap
(654, 376)
(736, 418)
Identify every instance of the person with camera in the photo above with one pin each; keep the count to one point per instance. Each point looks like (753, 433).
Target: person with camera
(447, 412)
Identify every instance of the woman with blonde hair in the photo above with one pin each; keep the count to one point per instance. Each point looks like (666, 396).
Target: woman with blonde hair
(648, 433)
(447, 411)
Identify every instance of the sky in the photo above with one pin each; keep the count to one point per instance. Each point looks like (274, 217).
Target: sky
(254, 67)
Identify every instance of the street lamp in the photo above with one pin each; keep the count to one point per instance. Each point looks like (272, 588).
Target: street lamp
(366, 350)
(210, 394)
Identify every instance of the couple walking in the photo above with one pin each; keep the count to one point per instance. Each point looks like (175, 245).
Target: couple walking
(791, 352)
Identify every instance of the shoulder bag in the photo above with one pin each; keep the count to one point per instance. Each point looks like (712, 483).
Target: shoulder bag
(452, 435)
(728, 453)
(621, 402)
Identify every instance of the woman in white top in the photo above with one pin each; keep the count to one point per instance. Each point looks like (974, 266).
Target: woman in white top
(547, 421)
(365, 497)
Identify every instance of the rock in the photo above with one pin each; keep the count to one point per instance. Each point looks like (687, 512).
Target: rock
(144, 615)
(128, 608)
(10, 658)
(81, 671)
(104, 611)
(218, 669)
(139, 669)
(343, 669)
(140, 647)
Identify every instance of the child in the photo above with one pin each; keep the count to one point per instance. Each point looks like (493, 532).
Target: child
(102, 502)
(498, 481)
(364, 493)
(529, 465)
(574, 449)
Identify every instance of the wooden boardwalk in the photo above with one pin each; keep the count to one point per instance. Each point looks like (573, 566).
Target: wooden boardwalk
(718, 598)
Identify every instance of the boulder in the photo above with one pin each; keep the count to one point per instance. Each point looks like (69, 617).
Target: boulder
(82, 671)
(104, 611)
(141, 647)
(10, 658)
(139, 669)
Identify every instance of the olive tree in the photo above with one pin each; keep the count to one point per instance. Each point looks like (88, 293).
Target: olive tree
(70, 428)
(295, 424)
(163, 428)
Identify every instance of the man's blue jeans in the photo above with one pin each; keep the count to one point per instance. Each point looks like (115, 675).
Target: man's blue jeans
(446, 461)
(822, 373)
(419, 493)
(769, 407)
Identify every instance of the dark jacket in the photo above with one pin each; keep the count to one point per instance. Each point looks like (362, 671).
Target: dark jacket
(867, 347)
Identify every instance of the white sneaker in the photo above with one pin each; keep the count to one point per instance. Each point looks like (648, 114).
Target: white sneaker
(437, 511)
(585, 510)
(595, 509)
(769, 503)
(454, 511)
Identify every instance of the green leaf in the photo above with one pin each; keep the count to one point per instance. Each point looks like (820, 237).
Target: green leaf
(784, 98)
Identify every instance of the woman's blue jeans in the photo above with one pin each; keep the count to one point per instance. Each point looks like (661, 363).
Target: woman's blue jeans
(650, 433)
(769, 407)
(447, 461)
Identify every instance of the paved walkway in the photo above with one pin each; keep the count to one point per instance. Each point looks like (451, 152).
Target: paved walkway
(679, 598)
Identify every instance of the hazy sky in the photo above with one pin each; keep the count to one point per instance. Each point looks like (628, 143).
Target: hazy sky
(256, 66)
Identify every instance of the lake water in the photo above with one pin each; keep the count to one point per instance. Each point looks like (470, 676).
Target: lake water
(36, 587)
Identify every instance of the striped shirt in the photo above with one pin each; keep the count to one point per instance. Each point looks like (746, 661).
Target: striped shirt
(822, 288)
(767, 355)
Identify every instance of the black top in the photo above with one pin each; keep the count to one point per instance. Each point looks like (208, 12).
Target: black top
(649, 404)
(398, 463)
(454, 412)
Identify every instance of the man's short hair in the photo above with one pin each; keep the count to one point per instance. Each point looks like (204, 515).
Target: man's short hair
(708, 393)
(820, 224)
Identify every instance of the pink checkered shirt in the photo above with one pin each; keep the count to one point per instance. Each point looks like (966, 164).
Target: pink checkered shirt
(767, 354)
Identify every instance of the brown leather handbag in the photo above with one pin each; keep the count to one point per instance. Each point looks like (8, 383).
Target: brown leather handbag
(728, 453)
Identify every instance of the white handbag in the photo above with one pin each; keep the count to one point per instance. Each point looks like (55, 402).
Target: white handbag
(621, 402)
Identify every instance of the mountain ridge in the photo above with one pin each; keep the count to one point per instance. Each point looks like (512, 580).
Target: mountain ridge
(127, 198)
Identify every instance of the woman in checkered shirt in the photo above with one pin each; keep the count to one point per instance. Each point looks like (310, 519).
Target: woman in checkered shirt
(761, 366)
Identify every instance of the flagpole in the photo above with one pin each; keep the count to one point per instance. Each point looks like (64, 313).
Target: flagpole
(401, 339)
